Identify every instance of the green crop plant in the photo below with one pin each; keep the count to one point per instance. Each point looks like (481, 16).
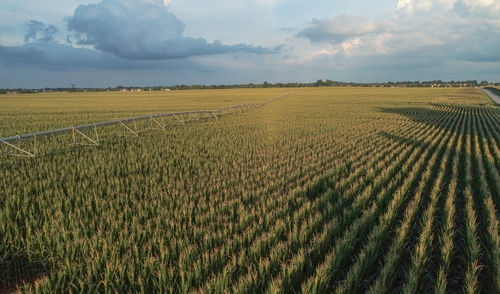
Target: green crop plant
(328, 190)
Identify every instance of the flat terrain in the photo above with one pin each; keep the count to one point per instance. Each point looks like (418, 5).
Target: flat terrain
(26, 113)
(343, 190)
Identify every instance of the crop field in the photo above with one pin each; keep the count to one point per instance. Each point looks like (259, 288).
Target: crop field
(328, 190)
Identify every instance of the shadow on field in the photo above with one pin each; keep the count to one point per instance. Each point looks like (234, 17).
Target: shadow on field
(446, 117)
(17, 269)
(437, 115)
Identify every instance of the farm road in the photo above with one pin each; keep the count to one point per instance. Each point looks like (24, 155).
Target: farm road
(493, 95)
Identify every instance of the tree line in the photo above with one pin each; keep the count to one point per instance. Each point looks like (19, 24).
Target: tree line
(318, 83)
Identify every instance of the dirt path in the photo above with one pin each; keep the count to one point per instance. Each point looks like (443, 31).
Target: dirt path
(493, 95)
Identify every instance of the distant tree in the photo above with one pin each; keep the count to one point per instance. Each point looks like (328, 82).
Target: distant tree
(320, 83)
(329, 83)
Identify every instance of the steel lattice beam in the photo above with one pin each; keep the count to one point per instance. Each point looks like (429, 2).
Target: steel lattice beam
(13, 142)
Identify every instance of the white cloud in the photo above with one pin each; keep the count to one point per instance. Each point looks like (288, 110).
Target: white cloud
(137, 29)
(158, 2)
(404, 4)
(468, 8)
(342, 28)
(446, 4)
(421, 34)
(323, 52)
(349, 45)
(409, 7)
(484, 8)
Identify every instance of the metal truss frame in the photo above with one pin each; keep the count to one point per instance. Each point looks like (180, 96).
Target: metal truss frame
(14, 143)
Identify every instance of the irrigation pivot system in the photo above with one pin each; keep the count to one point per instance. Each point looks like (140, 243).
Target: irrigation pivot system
(25, 145)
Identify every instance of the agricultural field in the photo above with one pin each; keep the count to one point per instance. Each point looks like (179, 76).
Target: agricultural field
(328, 190)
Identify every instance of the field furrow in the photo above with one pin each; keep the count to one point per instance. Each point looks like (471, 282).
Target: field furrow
(329, 190)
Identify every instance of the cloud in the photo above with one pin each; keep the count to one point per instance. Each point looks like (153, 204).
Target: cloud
(119, 36)
(324, 52)
(136, 29)
(453, 30)
(143, 42)
(54, 56)
(463, 8)
(159, 2)
(341, 28)
(38, 31)
(482, 45)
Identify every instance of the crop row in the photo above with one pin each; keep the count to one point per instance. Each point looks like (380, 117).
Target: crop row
(293, 197)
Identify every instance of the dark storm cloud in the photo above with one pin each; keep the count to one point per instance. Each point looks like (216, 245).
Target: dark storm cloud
(135, 29)
(38, 31)
(126, 35)
(53, 56)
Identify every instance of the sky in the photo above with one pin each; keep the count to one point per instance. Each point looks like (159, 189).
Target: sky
(107, 43)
